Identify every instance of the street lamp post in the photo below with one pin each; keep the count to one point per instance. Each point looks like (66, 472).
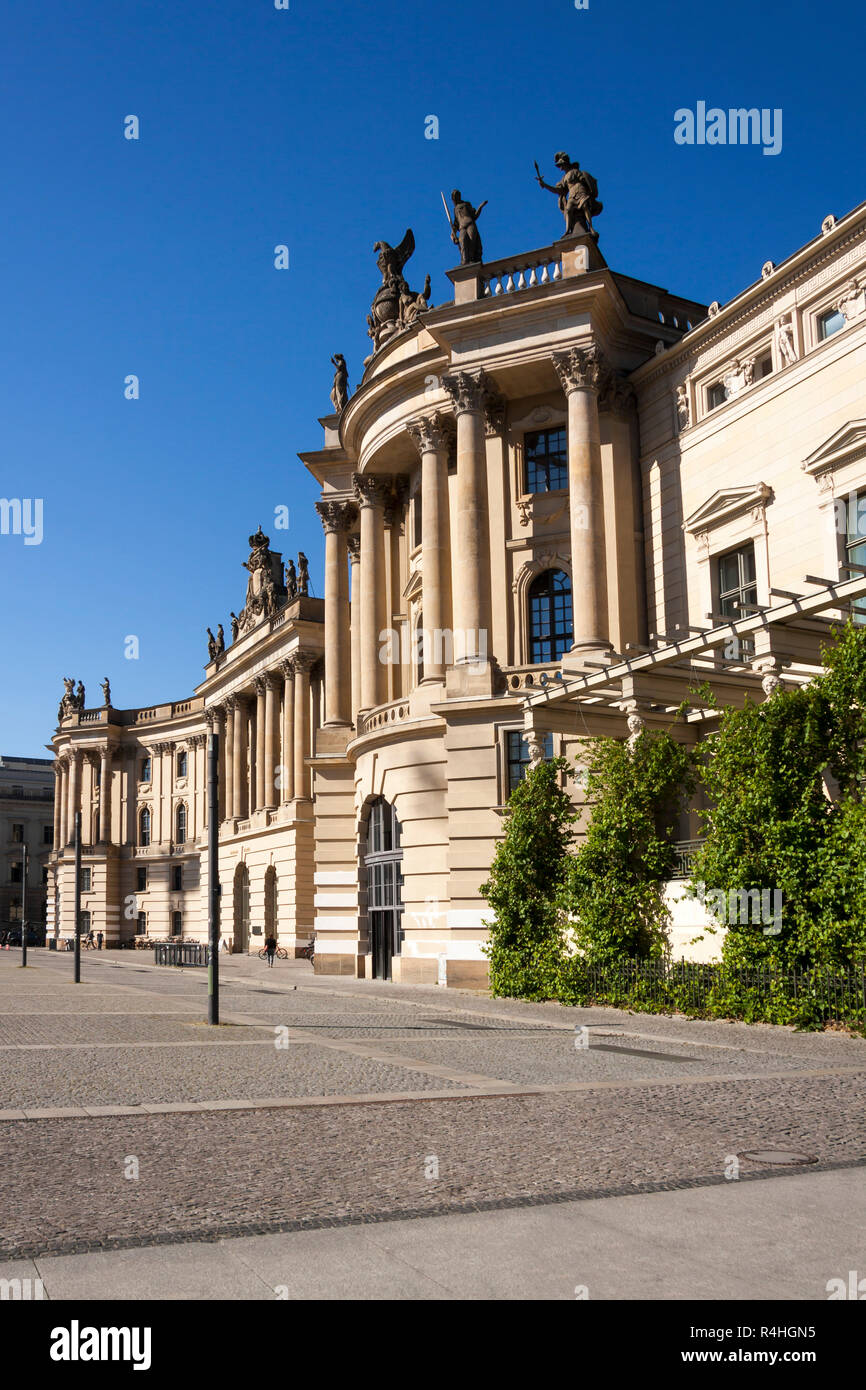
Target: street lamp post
(213, 895)
(76, 975)
(24, 903)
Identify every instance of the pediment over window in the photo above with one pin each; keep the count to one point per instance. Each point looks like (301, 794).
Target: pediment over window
(726, 503)
(847, 444)
(414, 585)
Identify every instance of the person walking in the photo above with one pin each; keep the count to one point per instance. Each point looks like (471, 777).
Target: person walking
(271, 948)
(99, 940)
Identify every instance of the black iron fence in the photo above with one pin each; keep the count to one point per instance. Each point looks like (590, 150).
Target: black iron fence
(180, 953)
(806, 998)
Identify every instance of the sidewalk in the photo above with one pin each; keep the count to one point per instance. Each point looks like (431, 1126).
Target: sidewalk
(784, 1237)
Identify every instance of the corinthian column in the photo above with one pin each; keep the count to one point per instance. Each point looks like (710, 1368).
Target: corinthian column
(58, 804)
(288, 754)
(74, 795)
(430, 436)
(336, 519)
(259, 783)
(239, 763)
(229, 808)
(354, 544)
(272, 740)
(105, 794)
(470, 580)
(371, 494)
(303, 663)
(582, 373)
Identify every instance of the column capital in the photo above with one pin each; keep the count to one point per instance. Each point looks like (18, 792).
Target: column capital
(169, 747)
(287, 669)
(579, 368)
(370, 491)
(259, 685)
(471, 391)
(337, 516)
(353, 544)
(304, 661)
(430, 433)
(199, 740)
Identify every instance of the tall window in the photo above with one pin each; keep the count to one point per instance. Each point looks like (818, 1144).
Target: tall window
(140, 880)
(177, 924)
(85, 923)
(180, 825)
(182, 764)
(717, 394)
(48, 834)
(177, 878)
(416, 520)
(141, 924)
(18, 834)
(144, 827)
(550, 622)
(546, 460)
(517, 756)
(145, 770)
(86, 880)
(737, 583)
(855, 539)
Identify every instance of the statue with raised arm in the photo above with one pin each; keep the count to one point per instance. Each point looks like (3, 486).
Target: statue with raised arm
(340, 389)
(464, 232)
(577, 192)
(106, 692)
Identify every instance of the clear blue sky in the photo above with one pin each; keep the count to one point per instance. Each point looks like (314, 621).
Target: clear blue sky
(306, 127)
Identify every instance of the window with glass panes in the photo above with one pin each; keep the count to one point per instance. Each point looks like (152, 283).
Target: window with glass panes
(551, 627)
(517, 756)
(830, 323)
(546, 456)
(738, 586)
(855, 541)
(383, 862)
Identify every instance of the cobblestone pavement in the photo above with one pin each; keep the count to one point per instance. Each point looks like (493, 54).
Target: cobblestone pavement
(322, 1101)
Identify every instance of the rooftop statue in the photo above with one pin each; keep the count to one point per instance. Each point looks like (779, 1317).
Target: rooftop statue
(67, 703)
(395, 306)
(464, 232)
(577, 191)
(340, 389)
(266, 592)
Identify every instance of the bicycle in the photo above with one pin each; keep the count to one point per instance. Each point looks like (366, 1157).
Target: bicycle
(308, 952)
(281, 953)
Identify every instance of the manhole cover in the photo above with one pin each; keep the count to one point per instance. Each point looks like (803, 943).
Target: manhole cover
(781, 1156)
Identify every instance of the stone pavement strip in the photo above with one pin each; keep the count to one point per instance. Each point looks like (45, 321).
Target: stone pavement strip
(324, 1102)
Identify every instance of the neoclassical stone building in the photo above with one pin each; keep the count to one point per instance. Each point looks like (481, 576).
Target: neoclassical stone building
(554, 504)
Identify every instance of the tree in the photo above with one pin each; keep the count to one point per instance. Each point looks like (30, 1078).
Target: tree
(525, 943)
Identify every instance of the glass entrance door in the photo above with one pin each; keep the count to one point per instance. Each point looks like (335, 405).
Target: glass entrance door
(384, 866)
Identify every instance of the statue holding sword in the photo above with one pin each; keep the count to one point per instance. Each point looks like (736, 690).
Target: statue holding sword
(577, 192)
(464, 232)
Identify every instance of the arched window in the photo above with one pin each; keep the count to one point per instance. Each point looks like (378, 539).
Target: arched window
(144, 826)
(551, 629)
(182, 764)
(271, 901)
(180, 825)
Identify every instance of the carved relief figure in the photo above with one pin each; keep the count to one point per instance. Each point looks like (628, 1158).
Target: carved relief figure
(577, 192)
(683, 414)
(784, 335)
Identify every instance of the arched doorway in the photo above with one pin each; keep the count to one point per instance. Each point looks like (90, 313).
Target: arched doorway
(383, 861)
(241, 908)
